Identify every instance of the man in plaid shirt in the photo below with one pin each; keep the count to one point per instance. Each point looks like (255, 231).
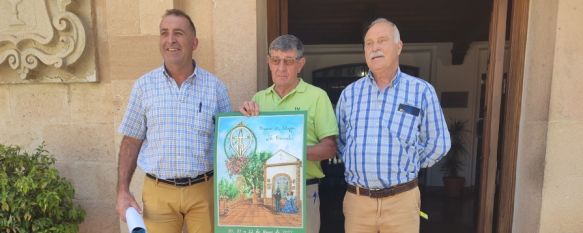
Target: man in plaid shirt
(390, 126)
(168, 132)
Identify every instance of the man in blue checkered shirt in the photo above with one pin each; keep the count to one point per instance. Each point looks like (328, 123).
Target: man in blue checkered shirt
(391, 125)
(168, 132)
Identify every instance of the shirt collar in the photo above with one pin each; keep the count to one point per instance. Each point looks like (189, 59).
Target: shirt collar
(395, 81)
(301, 87)
(189, 78)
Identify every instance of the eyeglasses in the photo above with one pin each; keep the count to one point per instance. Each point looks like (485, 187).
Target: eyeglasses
(288, 61)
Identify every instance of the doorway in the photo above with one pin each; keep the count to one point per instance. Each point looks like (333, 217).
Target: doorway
(283, 13)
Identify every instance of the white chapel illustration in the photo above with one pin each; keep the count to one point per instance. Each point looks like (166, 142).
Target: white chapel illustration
(283, 171)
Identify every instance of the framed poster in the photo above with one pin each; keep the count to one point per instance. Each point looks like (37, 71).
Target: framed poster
(259, 181)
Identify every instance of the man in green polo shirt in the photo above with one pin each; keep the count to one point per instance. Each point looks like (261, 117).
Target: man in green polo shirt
(290, 93)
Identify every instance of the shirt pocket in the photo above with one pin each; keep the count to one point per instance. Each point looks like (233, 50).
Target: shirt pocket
(203, 129)
(405, 126)
(205, 111)
(203, 123)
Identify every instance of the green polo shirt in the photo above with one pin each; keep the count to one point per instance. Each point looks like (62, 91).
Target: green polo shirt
(321, 118)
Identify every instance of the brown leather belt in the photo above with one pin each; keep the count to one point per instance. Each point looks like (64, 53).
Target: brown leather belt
(186, 181)
(380, 193)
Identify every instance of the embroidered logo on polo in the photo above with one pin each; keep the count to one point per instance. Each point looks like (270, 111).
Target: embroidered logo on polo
(297, 108)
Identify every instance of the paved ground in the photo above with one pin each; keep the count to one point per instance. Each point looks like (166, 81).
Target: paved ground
(243, 213)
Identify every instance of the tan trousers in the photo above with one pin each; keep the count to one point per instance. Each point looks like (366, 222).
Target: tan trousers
(167, 208)
(394, 214)
(313, 206)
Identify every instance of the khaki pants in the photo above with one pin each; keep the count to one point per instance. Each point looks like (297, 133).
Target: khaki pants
(394, 214)
(167, 207)
(313, 206)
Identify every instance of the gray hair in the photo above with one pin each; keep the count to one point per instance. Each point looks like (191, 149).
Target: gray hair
(396, 34)
(287, 43)
(179, 13)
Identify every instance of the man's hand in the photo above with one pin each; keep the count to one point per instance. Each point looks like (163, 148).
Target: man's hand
(124, 201)
(249, 108)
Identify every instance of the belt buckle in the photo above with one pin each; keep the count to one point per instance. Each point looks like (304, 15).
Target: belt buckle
(177, 183)
(370, 191)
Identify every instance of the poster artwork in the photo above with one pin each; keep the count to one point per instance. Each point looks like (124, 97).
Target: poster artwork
(259, 185)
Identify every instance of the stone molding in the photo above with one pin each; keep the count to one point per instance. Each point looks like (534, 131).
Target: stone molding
(42, 31)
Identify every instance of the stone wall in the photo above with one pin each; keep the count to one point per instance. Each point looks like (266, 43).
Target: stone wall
(47, 42)
(78, 117)
(548, 181)
(78, 121)
(563, 180)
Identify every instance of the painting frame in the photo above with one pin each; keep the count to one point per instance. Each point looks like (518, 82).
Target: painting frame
(259, 164)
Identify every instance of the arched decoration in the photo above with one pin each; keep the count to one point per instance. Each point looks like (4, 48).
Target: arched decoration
(35, 34)
(282, 167)
(283, 182)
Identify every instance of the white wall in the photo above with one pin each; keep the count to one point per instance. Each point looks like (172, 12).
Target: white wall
(422, 55)
(463, 78)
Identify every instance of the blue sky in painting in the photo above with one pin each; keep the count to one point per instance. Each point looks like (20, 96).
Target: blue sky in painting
(273, 133)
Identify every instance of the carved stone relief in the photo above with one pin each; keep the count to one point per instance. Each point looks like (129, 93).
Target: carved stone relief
(46, 41)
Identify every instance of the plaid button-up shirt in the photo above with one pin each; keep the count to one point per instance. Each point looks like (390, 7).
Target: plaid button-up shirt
(387, 135)
(175, 123)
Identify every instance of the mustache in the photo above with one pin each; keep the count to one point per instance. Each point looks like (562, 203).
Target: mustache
(376, 54)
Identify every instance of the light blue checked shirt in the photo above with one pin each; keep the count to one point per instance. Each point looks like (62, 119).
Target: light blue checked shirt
(175, 123)
(387, 135)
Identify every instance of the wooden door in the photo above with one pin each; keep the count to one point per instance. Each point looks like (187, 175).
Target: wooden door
(488, 165)
(277, 17)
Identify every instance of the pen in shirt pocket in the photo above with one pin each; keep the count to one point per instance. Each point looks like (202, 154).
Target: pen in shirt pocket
(199, 106)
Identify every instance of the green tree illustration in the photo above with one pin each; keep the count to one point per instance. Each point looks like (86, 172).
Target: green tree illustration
(253, 172)
(228, 189)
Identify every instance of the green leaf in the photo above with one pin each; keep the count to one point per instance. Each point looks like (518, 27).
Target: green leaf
(33, 196)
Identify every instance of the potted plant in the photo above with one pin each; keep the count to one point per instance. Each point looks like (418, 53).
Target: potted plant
(453, 162)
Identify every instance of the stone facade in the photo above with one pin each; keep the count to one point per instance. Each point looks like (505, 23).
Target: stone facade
(77, 116)
(549, 185)
(47, 41)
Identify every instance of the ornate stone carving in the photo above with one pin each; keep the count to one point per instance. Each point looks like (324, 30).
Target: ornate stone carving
(42, 31)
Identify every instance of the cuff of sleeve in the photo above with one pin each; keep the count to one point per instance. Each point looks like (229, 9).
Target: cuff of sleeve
(324, 135)
(427, 163)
